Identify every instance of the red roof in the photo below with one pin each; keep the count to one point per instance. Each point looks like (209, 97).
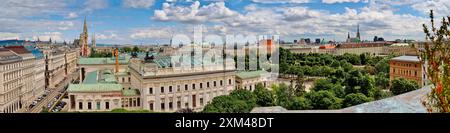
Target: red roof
(18, 49)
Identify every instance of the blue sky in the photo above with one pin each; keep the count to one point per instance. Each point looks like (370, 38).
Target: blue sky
(155, 21)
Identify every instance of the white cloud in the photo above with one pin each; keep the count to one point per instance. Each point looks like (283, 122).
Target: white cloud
(151, 33)
(106, 37)
(194, 13)
(339, 1)
(280, 1)
(138, 3)
(72, 15)
(23, 8)
(298, 21)
(91, 5)
(440, 7)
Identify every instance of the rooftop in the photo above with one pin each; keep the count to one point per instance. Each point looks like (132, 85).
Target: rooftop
(103, 61)
(103, 76)
(132, 92)
(250, 74)
(406, 58)
(77, 88)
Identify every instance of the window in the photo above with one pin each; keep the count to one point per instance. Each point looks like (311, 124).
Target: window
(186, 87)
(129, 79)
(201, 101)
(178, 88)
(150, 90)
(170, 105)
(162, 106)
(162, 89)
(179, 104)
(107, 105)
(229, 81)
(215, 84)
(123, 79)
(80, 105)
(170, 88)
(193, 86)
(151, 106)
(207, 84)
(138, 101)
(186, 105)
(89, 105)
(98, 105)
(201, 85)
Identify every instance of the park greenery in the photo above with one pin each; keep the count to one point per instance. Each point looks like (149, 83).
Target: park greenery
(343, 81)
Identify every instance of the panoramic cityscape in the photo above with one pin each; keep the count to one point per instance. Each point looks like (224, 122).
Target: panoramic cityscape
(220, 56)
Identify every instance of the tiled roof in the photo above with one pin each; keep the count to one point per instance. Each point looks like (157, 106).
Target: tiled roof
(18, 49)
(250, 74)
(7, 56)
(87, 88)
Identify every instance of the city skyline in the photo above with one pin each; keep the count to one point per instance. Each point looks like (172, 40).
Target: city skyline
(155, 21)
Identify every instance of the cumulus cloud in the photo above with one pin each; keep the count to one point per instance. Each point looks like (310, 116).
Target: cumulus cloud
(100, 36)
(138, 3)
(194, 13)
(280, 1)
(297, 20)
(72, 15)
(339, 1)
(151, 33)
(91, 5)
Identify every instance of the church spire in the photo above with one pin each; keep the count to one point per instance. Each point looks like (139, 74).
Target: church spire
(358, 35)
(85, 28)
(348, 35)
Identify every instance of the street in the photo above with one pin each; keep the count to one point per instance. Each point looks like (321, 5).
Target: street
(50, 98)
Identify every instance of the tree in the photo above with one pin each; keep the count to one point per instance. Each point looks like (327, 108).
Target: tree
(239, 101)
(263, 96)
(383, 65)
(300, 88)
(227, 104)
(382, 80)
(135, 49)
(300, 103)
(283, 95)
(355, 99)
(324, 100)
(401, 85)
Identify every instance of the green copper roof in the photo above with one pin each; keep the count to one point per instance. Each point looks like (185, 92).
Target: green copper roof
(250, 74)
(132, 92)
(104, 76)
(91, 78)
(77, 88)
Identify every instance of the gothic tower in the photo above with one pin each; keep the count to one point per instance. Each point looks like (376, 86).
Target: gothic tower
(84, 40)
(358, 35)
